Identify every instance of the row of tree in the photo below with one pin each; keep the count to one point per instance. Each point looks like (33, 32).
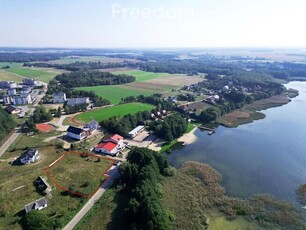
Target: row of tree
(92, 78)
(7, 123)
(76, 66)
(141, 175)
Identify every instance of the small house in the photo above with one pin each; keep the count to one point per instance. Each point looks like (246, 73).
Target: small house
(42, 185)
(77, 101)
(12, 109)
(29, 156)
(136, 131)
(92, 126)
(77, 133)
(111, 145)
(36, 205)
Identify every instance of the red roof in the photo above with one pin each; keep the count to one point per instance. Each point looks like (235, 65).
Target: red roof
(109, 146)
(116, 137)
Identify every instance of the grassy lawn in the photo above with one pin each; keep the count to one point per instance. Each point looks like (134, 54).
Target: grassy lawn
(80, 174)
(17, 190)
(34, 141)
(119, 110)
(114, 93)
(40, 74)
(143, 75)
(5, 76)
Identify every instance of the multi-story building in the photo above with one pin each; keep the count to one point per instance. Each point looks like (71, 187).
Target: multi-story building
(59, 97)
(8, 85)
(22, 99)
(29, 81)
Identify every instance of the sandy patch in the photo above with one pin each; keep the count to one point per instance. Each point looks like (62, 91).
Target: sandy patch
(189, 138)
(156, 145)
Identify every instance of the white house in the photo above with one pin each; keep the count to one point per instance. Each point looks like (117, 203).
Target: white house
(111, 145)
(93, 125)
(136, 131)
(36, 205)
(77, 133)
(59, 97)
(22, 99)
(29, 156)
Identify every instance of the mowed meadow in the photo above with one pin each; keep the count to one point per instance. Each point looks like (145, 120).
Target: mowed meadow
(119, 110)
(147, 83)
(17, 72)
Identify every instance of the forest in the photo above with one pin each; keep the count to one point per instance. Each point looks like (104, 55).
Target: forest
(92, 78)
(170, 128)
(141, 175)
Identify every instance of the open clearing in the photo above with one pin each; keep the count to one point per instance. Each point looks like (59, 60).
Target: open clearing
(147, 83)
(79, 174)
(119, 110)
(43, 127)
(61, 207)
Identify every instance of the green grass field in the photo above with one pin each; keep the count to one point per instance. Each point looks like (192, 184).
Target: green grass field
(114, 93)
(17, 190)
(5, 76)
(142, 75)
(119, 110)
(16, 72)
(80, 174)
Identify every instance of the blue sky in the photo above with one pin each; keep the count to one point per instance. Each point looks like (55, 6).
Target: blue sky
(135, 23)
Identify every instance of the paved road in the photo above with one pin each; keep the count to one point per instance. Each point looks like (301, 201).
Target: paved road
(113, 174)
(9, 141)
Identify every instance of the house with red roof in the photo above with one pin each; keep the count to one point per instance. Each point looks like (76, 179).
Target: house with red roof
(110, 145)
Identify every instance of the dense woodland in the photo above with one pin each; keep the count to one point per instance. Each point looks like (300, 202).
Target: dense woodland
(170, 128)
(7, 124)
(92, 78)
(141, 175)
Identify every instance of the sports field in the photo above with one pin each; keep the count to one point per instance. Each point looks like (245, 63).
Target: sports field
(147, 83)
(118, 110)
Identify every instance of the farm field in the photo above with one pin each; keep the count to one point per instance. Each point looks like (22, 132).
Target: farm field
(142, 75)
(119, 110)
(5, 76)
(16, 70)
(17, 190)
(147, 83)
(79, 174)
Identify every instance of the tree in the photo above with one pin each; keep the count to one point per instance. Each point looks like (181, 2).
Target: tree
(36, 220)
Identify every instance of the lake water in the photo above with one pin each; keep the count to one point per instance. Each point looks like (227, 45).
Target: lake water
(266, 156)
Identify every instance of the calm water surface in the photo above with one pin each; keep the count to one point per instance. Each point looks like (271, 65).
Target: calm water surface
(266, 156)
